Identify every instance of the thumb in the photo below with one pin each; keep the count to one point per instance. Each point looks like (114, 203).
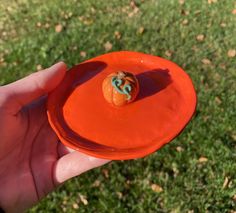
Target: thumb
(26, 90)
(74, 164)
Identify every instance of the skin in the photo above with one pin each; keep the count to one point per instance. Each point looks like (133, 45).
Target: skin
(33, 162)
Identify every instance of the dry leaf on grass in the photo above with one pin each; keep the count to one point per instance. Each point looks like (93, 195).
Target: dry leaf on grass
(156, 188)
(69, 15)
(47, 25)
(9, 9)
(179, 149)
(217, 77)
(231, 53)
(168, 53)
(223, 66)
(140, 30)
(132, 4)
(181, 1)
(136, 9)
(184, 12)
(233, 135)
(92, 9)
(206, 61)
(202, 160)
(223, 24)
(195, 48)
(130, 14)
(119, 194)
(217, 100)
(212, 1)
(1, 60)
(39, 67)
(83, 54)
(64, 209)
(83, 199)
(74, 48)
(234, 11)
(185, 22)
(88, 21)
(96, 183)
(200, 37)
(117, 35)
(108, 46)
(38, 24)
(105, 173)
(75, 206)
(65, 199)
(226, 182)
(58, 28)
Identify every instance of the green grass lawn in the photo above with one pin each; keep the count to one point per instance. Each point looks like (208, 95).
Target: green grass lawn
(194, 173)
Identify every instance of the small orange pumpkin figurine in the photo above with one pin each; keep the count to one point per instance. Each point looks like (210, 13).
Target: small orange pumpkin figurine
(120, 88)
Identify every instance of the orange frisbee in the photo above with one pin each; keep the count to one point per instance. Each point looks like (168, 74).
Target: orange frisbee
(83, 120)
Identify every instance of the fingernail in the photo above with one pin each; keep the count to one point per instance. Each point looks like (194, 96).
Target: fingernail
(58, 64)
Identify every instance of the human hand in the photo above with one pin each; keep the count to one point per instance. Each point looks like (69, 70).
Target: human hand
(32, 160)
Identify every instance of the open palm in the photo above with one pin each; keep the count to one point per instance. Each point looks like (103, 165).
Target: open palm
(32, 160)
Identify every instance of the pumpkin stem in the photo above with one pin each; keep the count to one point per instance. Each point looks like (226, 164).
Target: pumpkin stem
(121, 75)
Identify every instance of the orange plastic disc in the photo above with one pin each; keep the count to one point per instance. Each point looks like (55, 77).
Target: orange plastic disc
(84, 121)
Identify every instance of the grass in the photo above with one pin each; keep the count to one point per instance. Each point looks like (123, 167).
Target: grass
(194, 173)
